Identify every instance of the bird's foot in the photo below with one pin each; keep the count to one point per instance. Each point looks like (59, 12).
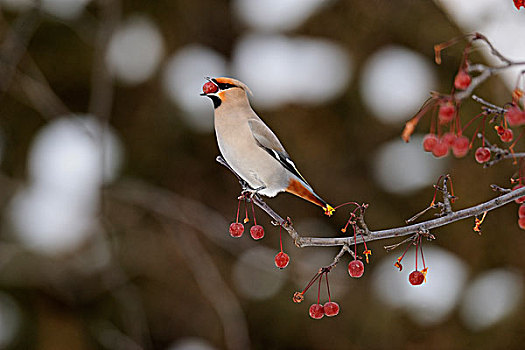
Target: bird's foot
(248, 192)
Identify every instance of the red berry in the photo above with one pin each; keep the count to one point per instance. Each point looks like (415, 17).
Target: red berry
(316, 311)
(507, 135)
(429, 141)
(416, 278)
(449, 138)
(236, 229)
(331, 308)
(446, 112)
(521, 211)
(521, 223)
(520, 199)
(462, 80)
(281, 260)
(209, 88)
(356, 268)
(257, 232)
(482, 155)
(460, 146)
(440, 149)
(515, 116)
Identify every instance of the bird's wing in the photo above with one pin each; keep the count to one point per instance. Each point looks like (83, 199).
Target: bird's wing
(267, 140)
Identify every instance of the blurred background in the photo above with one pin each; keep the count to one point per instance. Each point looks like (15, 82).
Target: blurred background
(114, 213)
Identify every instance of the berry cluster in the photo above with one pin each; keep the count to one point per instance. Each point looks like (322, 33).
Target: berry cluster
(446, 132)
(438, 141)
(237, 228)
(318, 310)
(256, 231)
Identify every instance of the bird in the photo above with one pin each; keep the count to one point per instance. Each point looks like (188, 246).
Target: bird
(250, 147)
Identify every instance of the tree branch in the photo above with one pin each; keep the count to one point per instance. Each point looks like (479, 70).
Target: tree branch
(448, 218)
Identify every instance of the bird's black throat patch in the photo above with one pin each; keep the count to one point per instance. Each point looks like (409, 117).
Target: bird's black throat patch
(216, 100)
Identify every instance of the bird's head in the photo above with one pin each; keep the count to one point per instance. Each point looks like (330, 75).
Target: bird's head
(225, 91)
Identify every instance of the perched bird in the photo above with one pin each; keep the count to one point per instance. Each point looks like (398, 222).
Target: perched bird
(250, 148)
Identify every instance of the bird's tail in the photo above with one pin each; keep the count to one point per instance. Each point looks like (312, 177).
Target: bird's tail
(304, 191)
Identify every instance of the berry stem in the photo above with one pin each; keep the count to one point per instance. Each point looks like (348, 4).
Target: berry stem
(470, 122)
(417, 246)
(433, 119)
(483, 130)
(403, 255)
(347, 203)
(355, 241)
(421, 250)
(328, 288)
(319, 290)
(238, 209)
(458, 120)
(281, 237)
(312, 281)
(435, 191)
(253, 212)
(517, 139)
(473, 137)
(246, 219)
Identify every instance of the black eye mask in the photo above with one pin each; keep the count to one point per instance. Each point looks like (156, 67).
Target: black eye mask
(223, 86)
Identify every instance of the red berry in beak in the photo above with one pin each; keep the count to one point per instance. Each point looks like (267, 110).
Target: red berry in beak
(209, 88)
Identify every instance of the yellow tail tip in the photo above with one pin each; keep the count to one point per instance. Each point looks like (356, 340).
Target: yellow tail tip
(328, 210)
